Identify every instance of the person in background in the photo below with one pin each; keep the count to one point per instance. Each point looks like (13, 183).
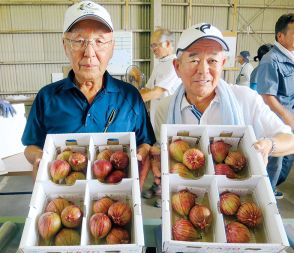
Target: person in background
(262, 50)
(275, 83)
(163, 80)
(243, 77)
(205, 99)
(6, 109)
(89, 99)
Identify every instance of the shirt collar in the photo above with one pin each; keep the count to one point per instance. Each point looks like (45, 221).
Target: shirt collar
(109, 82)
(167, 58)
(285, 51)
(186, 105)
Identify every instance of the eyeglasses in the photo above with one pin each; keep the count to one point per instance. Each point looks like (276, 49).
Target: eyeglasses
(97, 44)
(155, 45)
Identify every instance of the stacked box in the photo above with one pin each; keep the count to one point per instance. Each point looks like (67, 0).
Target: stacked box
(84, 192)
(253, 186)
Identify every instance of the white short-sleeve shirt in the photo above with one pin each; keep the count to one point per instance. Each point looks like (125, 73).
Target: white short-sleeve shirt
(164, 76)
(265, 122)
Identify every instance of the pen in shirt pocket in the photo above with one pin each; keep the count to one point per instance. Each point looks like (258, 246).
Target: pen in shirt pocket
(110, 120)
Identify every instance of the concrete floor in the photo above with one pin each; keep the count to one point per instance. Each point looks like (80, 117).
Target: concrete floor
(18, 205)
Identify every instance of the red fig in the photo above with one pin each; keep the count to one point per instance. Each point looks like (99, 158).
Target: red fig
(237, 233)
(224, 169)
(102, 205)
(115, 177)
(183, 201)
(183, 230)
(236, 160)
(71, 216)
(249, 214)
(117, 235)
(59, 169)
(194, 159)
(200, 216)
(101, 169)
(49, 224)
(57, 205)
(229, 203)
(64, 155)
(219, 150)
(119, 160)
(177, 149)
(78, 161)
(104, 155)
(100, 225)
(120, 213)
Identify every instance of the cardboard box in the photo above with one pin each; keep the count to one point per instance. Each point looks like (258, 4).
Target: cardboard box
(242, 137)
(85, 191)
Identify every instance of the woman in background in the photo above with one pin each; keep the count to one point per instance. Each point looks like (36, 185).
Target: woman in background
(262, 50)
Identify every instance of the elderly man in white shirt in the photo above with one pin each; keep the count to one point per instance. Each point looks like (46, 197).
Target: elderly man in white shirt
(204, 98)
(163, 81)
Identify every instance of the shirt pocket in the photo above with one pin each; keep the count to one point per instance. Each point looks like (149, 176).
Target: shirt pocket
(287, 72)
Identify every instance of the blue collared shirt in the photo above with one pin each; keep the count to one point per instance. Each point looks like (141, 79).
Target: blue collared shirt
(275, 77)
(61, 107)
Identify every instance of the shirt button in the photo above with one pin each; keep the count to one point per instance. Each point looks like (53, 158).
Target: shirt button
(89, 114)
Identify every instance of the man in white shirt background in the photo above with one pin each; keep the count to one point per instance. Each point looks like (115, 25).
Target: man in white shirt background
(163, 80)
(243, 77)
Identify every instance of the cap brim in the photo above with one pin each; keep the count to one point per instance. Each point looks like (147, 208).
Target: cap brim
(217, 39)
(92, 17)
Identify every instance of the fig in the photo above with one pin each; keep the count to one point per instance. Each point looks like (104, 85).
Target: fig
(101, 169)
(118, 235)
(59, 169)
(177, 149)
(49, 224)
(100, 225)
(200, 216)
(73, 177)
(236, 160)
(102, 205)
(236, 232)
(104, 155)
(224, 169)
(71, 216)
(57, 205)
(249, 214)
(78, 161)
(182, 170)
(115, 177)
(67, 237)
(183, 201)
(119, 160)
(219, 150)
(229, 203)
(64, 155)
(120, 213)
(194, 159)
(183, 230)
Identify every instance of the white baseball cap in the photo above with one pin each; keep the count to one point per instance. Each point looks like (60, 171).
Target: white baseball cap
(86, 10)
(200, 31)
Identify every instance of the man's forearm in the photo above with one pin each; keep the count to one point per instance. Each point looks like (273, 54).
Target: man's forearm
(149, 94)
(280, 110)
(33, 153)
(284, 144)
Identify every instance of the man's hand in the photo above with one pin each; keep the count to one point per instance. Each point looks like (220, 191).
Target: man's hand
(155, 163)
(6, 109)
(264, 146)
(143, 162)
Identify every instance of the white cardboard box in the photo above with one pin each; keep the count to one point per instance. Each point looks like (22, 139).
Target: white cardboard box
(244, 133)
(276, 238)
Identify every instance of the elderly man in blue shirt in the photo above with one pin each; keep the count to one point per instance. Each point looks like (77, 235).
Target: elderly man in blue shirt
(89, 99)
(275, 82)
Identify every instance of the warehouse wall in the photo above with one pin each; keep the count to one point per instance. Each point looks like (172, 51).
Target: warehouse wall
(30, 32)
